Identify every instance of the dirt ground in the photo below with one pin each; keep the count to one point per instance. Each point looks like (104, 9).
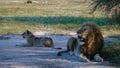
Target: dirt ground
(12, 56)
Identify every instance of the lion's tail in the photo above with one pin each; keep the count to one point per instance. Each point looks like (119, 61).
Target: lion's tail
(59, 53)
(57, 48)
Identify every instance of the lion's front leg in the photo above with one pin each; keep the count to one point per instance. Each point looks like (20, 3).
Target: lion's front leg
(83, 58)
(71, 53)
(76, 52)
(98, 58)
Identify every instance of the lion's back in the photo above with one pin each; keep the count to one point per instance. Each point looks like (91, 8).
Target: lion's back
(43, 42)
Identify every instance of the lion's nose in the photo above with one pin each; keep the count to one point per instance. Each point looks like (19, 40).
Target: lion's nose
(79, 36)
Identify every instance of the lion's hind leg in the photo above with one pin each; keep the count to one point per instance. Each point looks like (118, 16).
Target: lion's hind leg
(98, 58)
(59, 53)
(71, 53)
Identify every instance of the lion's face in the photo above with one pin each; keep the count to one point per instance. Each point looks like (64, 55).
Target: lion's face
(84, 32)
(26, 34)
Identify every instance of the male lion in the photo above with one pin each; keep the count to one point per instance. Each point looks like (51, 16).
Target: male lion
(73, 46)
(37, 41)
(94, 42)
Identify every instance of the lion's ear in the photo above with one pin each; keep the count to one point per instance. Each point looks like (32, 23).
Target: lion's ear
(27, 31)
(78, 32)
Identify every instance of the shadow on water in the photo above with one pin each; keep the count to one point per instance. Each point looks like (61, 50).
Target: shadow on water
(56, 19)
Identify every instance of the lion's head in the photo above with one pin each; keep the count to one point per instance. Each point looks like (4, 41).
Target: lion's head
(27, 34)
(88, 30)
(94, 39)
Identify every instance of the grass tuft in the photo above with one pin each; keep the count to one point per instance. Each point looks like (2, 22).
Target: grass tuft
(29, 1)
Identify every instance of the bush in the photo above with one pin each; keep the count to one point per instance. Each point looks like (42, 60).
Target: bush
(112, 53)
(29, 1)
(111, 8)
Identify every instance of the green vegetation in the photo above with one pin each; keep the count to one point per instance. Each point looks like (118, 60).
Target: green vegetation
(64, 16)
(54, 24)
(17, 16)
(109, 7)
(112, 53)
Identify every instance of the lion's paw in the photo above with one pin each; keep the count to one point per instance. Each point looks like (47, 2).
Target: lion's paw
(98, 58)
(84, 58)
(71, 53)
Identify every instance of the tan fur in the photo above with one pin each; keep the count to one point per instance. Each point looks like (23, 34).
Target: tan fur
(73, 46)
(94, 40)
(37, 41)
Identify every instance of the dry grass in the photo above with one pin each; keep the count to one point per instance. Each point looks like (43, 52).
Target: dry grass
(111, 30)
(64, 15)
(52, 8)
